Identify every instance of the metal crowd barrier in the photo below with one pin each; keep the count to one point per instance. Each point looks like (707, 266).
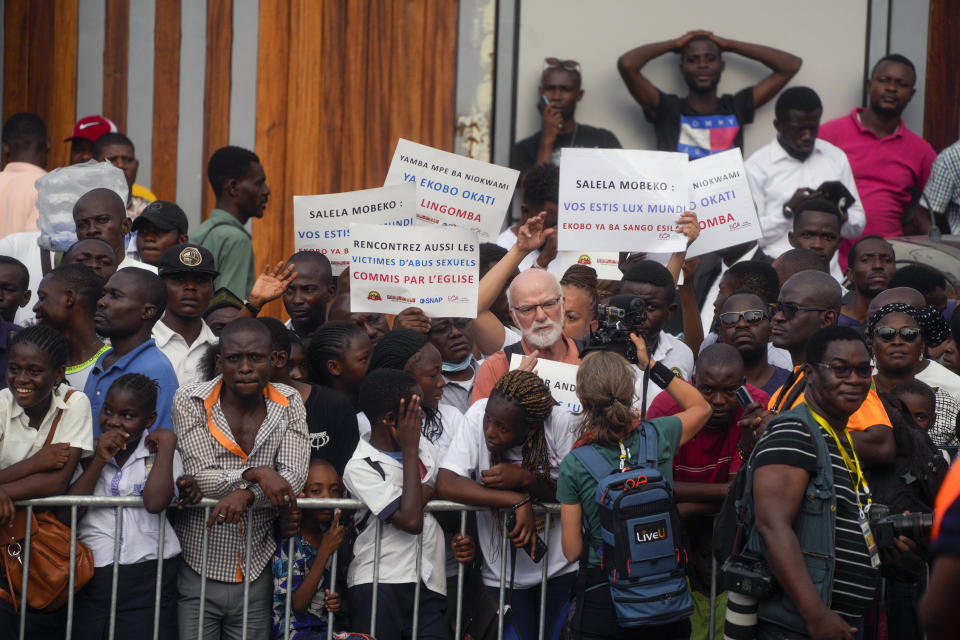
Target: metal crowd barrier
(120, 503)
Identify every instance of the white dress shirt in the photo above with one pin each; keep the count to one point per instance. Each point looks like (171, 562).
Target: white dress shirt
(184, 357)
(139, 529)
(774, 177)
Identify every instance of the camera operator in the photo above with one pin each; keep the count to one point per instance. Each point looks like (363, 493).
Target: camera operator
(812, 521)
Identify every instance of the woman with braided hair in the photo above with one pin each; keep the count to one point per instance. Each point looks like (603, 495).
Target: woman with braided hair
(507, 454)
(605, 388)
(898, 335)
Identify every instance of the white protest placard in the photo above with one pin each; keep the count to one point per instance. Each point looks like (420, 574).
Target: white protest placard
(322, 223)
(621, 200)
(454, 190)
(392, 268)
(560, 377)
(605, 263)
(720, 196)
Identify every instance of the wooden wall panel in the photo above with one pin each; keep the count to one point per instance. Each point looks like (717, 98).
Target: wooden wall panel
(941, 106)
(116, 49)
(166, 99)
(40, 60)
(339, 82)
(62, 111)
(216, 89)
(16, 53)
(272, 238)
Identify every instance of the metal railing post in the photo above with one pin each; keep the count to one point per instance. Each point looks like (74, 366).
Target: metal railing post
(71, 582)
(157, 598)
(117, 533)
(503, 582)
(246, 575)
(460, 576)
(543, 580)
(26, 574)
(416, 588)
(376, 577)
(204, 552)
(333, 589)
(289, 594)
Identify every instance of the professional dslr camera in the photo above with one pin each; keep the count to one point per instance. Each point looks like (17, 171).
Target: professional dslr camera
(616, 321)
(747, 574)
(886, 527)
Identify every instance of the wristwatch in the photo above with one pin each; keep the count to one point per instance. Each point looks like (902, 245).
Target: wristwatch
(255, 310)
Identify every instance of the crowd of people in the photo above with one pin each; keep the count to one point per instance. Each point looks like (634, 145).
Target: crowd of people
(801, 385)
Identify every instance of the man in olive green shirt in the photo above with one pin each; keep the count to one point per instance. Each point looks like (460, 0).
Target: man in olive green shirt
(240, 186)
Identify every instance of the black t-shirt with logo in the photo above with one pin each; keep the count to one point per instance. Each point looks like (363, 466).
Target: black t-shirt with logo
(680, 128)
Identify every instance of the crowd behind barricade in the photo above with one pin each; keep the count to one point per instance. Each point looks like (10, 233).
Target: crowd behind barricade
(757, 446)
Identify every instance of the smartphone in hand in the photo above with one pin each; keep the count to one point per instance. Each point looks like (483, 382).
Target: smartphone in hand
(743, 396)
(536, 552)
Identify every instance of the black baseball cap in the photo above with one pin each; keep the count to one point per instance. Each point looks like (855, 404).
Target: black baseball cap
(165, 216)
(187, 258)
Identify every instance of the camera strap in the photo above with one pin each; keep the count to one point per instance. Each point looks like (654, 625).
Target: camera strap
(643, 393)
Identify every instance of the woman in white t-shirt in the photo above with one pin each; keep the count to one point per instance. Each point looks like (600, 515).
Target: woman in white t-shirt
(45, 427)
(508, 452)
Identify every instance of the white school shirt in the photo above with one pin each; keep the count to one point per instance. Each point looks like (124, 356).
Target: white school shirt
(450, 416)
(185, 358)
(18, 441)
(139, 529)
(381, 495)
(673, 354)
(774, 176)
(467, 456)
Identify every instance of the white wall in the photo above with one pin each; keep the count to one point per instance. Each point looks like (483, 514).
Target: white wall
(829, 35)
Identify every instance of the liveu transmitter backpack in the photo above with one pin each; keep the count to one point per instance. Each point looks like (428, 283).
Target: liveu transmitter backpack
(640, 549)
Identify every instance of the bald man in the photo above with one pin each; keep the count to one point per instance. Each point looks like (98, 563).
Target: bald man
(704, 467)
(307, 296)
(808, 301)
(536, 306)
(102, 213)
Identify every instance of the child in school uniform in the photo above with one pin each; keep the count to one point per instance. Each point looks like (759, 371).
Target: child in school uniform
(394, 474)
(129, 461)
(318, 537)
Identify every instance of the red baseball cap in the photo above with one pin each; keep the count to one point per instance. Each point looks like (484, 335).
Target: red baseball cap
(92, 127)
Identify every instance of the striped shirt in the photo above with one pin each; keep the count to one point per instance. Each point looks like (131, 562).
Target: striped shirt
(211, 454)
(854, 580)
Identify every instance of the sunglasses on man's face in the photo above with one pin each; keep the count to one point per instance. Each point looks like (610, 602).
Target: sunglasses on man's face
(887, 334)
(789, 310)
(753, 316)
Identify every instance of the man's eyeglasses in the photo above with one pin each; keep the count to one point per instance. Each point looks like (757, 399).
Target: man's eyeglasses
(753, 316)
(887, 334)
(557, 63)
(842, 371)
(546, 305)
(789, 310)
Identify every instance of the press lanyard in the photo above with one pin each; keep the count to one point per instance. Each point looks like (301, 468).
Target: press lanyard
(624, 455)
(853, 466)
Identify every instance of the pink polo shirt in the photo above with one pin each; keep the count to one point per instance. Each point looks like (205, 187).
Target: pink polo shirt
(18, 197)
(884, 169)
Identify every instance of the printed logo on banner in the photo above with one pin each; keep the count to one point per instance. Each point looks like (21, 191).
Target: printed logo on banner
(583, 259)
(374, 295)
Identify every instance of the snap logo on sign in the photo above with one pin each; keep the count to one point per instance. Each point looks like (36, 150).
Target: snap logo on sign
(373, 295)
(583, 259)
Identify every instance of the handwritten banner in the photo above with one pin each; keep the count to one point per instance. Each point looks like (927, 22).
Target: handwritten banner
(454, 190)
(560, 377)
(720, 196)
(392, 268)
(621, 200)
(322, 223)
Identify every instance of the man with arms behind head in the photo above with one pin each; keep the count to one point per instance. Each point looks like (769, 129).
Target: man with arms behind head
(133, 301)
(890, 163)
(793, 162)
(703, 122)
(25, 151)
(560, 91)
(244, 440)
(240, 185)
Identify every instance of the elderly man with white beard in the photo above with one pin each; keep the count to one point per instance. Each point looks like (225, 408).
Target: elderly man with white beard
(536, 305)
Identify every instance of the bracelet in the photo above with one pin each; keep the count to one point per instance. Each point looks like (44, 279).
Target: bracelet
(661, 375)
(255, 310)
(526, 499)
(740, 453)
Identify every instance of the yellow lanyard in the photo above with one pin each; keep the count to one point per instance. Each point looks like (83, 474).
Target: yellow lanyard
(853, 466)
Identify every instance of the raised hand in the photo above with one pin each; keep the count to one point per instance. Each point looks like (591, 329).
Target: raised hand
(271, 284)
